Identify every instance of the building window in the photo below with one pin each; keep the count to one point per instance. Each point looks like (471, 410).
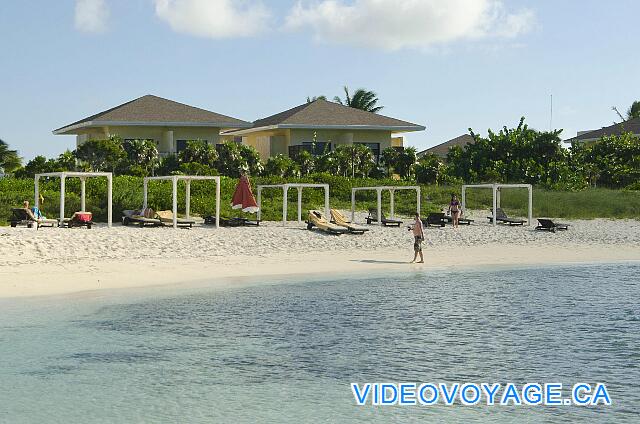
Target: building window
(182, 144)
(375, 149)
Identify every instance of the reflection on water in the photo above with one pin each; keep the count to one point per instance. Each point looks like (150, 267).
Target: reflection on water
(287, 353)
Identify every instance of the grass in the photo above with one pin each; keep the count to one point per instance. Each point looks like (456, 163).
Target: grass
(127, 194)
(587, 204)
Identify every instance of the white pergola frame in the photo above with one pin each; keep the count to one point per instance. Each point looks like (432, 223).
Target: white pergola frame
(496, 197)
(188, 178)
(83, 176)
(379, 190)
(285, 189)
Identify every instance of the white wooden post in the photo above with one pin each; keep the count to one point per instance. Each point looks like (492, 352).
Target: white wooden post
(174, 182)
(464, 199)
(109, 199)
(393, 206)
(187, 200)
(83, 192)
(379, 191)
(145, 183)
(495, 205)
(36, 200)
(326, 203)
(259, 203)
(299, 205)
(62, 189)
(218, 202)
(353, 205)
(418, 199)
(498, 190)
(530, 205)
(285, 190)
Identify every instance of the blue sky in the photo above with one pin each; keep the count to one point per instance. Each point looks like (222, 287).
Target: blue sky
(449, 65)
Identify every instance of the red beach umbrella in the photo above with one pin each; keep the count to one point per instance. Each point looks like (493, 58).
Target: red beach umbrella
(243, 196)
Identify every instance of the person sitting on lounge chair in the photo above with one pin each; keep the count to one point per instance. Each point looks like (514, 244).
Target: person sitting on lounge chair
(32, 216)
(36, 212)
(26, 216)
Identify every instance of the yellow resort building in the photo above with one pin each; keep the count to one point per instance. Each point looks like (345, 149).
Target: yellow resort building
(170, 124)
(319, 126)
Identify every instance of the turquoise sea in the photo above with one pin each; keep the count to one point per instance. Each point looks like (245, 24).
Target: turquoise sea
(287, 351)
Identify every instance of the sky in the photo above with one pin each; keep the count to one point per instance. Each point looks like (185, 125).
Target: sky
(449, 65)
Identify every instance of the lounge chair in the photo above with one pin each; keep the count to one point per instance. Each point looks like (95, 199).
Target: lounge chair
(166, 217)
(317, 220)
(461, 221)
(21, 216)
(373, 217)
(231, 222)
(340, 220)
(141, 218)
(247, 222)
(434, 219)
(78, 219)
(501, 216)
(548, 225)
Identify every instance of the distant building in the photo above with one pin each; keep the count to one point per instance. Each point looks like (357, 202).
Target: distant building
(441, 150)
(319, 126)
(170, 124)
(632, 126)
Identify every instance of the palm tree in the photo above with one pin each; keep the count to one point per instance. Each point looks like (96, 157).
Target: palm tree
(389, 159)
(9, 159)
(634, 110)
(361, 99)
(632, 113)
(406, 162)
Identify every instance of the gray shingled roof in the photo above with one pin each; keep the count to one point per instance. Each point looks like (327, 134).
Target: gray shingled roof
(152, 110)
(324, 114)
(443, 148)
(632, 126)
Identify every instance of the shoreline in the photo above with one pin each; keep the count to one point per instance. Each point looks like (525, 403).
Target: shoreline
(42, 279)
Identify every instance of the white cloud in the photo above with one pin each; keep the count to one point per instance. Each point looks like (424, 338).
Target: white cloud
(214, 18)
(91, 15)
(395, 24)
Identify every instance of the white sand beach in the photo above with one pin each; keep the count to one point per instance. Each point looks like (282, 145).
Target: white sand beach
(56, 261)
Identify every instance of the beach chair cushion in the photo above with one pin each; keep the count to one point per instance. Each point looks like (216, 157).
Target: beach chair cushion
(316, 219)
(82, 216)
(341, 221)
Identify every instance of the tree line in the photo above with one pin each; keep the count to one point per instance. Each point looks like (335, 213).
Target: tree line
(510, 155)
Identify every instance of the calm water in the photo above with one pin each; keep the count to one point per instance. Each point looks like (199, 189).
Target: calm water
(287, 352)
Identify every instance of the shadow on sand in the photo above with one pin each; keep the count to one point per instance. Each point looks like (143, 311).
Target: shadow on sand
(373, 261)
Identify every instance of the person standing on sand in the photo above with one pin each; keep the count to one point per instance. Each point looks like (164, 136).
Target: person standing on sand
(455, 210)
(418, 238)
